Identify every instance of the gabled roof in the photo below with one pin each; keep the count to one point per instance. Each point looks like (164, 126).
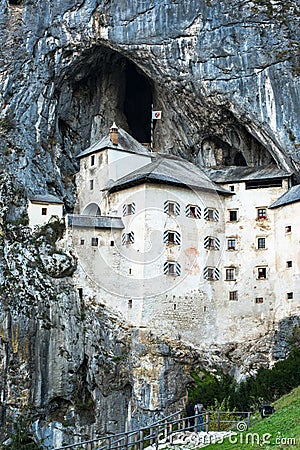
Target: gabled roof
(291, 196)
(126, 143)
(233, 174)
(47, 198)
(169, 169)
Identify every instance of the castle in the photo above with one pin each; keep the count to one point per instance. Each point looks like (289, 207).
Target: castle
(201, 255)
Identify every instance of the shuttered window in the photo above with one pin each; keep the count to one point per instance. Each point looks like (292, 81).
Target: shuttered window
(171, 208)
(211, 214)
(128, 209)
(172, 237)
(211, 243)
(128, 238)
(172, 268)
(193, 211)
(211, 273)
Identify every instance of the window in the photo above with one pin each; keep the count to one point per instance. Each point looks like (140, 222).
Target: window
(262, 273)
(193, 211)
(233, 215)
(81, 241)
(231, 244)
(233, 295)
(128, 238)
(259, 300)
(211, 273)
(290, 295)
(44, 211)
(211, 214)
(261, 243)
(230, 274)
(172, 268)
(91, 185)
(289, 264)
(288, 229)
(129, 209)
(261, 213)
(112, 243)
(172, 237)
(256, 184)
(171, 208)
(231, 188)
(95, 241)
(129, 304)
(211, 243)
(80, 293)
(92, 160)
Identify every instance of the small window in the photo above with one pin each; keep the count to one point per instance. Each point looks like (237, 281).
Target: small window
(171, 208)
(231, 188)
(172, 237)
(231, 244)
(130, 271)
(112, 243)
(211, 274)
(128, 238)
(262, 273)
(230, 274)
(44, 211)
(290, 295)
(81, 241)
(193, 211)
(91, 185)
(129, 304)
(92, 160)
(211, 243)
(172, 268)
(80, 293)
(95, 242)
(211, 214)
(233, 295)
(129, 209)
(259, 300)
(261, 243)
(233, 215)
(261, 213)
(174, 306)
(288, 229)
(289, 264)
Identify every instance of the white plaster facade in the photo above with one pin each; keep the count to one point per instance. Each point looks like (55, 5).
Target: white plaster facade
(207, 270)
(41, 208)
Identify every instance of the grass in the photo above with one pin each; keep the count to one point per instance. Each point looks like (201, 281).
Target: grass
(279, 431)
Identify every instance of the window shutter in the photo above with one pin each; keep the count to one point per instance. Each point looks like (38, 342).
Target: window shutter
(177, 238)
(166, 268)
(133, 208)
(123, 238)
(216, 215)
(217, 244)
(205, 273)
(216, 274)
(198, 212)
(177, 269)
(187, 210)
(124, 210)
(206, 242)
(131, 237)
(177, 209)
(166, 207)
(166, 237)
(206, 213)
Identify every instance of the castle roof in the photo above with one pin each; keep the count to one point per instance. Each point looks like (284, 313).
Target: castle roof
(291, 196)
(126, 143)
(234, 174)
(168, 169)
(47, 198)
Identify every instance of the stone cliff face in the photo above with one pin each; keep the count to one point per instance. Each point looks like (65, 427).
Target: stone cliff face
(226, 76)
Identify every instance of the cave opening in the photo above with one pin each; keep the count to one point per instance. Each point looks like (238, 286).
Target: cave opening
(137, 103)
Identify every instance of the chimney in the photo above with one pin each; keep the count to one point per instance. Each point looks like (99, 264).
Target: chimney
(114, 134)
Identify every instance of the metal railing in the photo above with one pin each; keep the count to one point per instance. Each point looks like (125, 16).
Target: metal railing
(164, 431)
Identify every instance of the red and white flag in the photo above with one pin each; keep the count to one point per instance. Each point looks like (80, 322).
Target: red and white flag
(156, 115)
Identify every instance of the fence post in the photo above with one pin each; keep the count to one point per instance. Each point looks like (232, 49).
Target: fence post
(207, 422)
(126, 441)
(141, 440)
(248, 419)
(219, 425)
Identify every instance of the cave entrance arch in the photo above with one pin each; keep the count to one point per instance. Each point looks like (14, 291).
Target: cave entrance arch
(91, 210)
